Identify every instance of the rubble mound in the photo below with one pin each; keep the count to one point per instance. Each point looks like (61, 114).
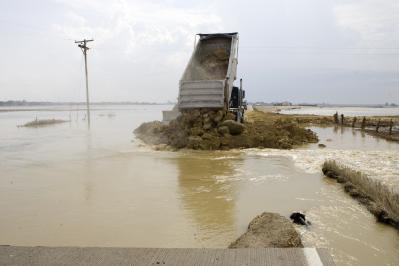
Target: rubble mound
(269, 230)
(207, 129)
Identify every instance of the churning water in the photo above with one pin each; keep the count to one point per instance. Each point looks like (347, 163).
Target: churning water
(63, 185)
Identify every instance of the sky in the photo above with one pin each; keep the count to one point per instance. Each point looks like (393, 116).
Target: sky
(313, 51)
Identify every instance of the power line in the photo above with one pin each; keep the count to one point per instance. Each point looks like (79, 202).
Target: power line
(316, 47)
(310, 50)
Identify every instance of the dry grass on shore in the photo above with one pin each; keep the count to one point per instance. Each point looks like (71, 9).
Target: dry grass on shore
(305, 120)
(379, 198)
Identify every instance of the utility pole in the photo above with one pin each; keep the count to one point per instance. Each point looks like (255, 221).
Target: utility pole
(83, 46)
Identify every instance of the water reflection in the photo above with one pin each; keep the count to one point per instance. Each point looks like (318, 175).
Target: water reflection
(88, 184)
(207, 190)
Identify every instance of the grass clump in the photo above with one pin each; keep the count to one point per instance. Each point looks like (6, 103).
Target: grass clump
(43, 122)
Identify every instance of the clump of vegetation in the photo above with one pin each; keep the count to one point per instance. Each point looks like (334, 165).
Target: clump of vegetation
(43, 122)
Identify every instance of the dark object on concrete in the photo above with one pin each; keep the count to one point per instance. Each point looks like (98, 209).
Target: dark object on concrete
(299, 218)
(269, 230)
(321, 145)
(162, 256)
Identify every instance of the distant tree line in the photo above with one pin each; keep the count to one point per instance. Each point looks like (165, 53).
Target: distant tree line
(28, 103)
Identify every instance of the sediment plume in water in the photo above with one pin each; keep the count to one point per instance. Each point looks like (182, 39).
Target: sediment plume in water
(207, 129)
(380, 199)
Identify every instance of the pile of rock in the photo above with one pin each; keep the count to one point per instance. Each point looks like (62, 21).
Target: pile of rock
(202, 129)
(269, 230)
(207, 129)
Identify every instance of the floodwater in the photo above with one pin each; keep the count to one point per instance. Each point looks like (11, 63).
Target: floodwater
(348, 111)
(63, 185)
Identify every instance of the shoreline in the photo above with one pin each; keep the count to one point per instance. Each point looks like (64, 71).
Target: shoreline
(371, 122)
(379, 198)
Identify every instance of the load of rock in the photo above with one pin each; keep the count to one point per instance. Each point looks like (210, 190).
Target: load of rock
(207, 129)
(269, 230)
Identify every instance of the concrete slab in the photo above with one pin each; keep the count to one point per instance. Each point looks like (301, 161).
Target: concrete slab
(11, 255)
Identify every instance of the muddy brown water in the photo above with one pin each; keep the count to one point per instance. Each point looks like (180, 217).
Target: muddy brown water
(64, 186)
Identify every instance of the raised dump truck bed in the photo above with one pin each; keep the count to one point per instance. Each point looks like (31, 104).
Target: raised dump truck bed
(208, 79)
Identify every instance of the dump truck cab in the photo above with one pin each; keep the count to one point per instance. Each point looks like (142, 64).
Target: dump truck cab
(237, 104)
(208, 80)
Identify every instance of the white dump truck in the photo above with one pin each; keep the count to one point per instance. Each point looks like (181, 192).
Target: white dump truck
(208, 80)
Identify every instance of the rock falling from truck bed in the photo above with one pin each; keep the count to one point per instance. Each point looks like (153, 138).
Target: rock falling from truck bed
(207, 129)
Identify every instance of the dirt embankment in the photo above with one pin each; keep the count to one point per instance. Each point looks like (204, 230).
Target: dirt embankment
(205, 129)
(381, 200)
(269, 230)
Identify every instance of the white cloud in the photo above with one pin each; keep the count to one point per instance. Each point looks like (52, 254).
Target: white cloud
(374, 21)
(139, 39)
(141, 47)
(135, 23)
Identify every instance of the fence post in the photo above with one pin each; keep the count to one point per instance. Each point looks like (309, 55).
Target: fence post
(364, 122)
(354, 121)
(390, 127)
(336, 118)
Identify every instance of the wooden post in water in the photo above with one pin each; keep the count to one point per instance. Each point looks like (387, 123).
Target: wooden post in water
(354, 121)
(390, 127)
(378, 125)
(336, 118)
(364, 122)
